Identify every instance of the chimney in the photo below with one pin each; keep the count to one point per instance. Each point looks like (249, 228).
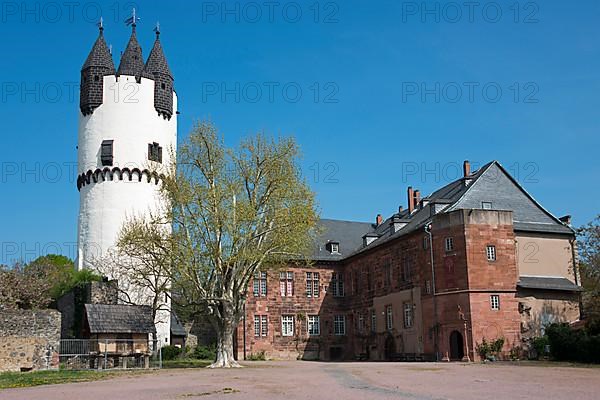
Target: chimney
(379, 219)
(417, 198)
(411, 199)
(466, 168)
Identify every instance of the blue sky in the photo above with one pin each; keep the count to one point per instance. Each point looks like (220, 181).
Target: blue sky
(392, 94)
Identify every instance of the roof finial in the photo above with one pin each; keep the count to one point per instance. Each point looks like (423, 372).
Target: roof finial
(100, 25)
(157, 29)
(132, 20)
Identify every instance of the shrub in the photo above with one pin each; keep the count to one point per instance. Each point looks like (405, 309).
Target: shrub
(205, 352)
(539, 344)
(489, 350)
(567, 344)
(257, 356)
(171, 352)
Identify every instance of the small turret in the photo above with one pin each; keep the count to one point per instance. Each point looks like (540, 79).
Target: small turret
(157, 69)
(132, 62)
(98, 64)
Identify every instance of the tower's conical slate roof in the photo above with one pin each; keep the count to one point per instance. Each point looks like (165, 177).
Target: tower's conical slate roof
(132, 62)
(157, 62)
(100, 56)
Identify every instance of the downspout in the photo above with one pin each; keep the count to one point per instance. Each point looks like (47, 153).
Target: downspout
(573, 242)
(244, 339)
(433, 292)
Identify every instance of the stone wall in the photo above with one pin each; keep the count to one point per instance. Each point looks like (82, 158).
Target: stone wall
(29, 340)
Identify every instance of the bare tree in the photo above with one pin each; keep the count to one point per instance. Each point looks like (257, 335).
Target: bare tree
(589, 250)
(234, 211)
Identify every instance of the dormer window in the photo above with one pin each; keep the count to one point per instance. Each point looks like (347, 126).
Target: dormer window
(106, 153)
(333, 247)
(154, 152)
(486, 205)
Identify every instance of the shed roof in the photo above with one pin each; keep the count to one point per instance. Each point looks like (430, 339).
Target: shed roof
(119, 318)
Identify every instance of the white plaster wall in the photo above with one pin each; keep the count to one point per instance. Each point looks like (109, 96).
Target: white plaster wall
(127, 116)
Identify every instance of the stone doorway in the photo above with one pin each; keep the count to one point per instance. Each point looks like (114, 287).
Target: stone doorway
(457, 346)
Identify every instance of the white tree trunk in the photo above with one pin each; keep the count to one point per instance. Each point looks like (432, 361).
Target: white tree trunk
(224, 356)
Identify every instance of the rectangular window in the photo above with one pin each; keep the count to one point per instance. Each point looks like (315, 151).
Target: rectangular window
(106, 153)
(286, 283)
(406, 272)
(339, 325)
(361, 322)
(337, 284)
(312, 284)
(428, 286)
(408, 315)
(389, 318)
(449, 244)
(490, 251)
(287, 325)
(335, 248)
(260, 325)
(259, 286)
(373, 321)
(154, 152)
(495, 302)
(425, 242)
(314, 325)
(486, 205)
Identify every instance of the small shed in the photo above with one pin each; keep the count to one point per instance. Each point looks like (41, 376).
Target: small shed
(119, 329)
(178, 332)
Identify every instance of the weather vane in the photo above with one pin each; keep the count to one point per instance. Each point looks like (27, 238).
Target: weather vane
(100, 24)
(157, 28)
(132, 20)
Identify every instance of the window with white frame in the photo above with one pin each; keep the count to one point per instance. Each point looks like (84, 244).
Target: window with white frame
(260, 284)
(286, 283)
(490, 251)
(373, 321)
(449, 244)
(389, 318)
(495, 302)
(408, 315)
(314, 325)
(486, 205)
(339, 325)
(337, 284)
(261, 326)
(287, 325)
(312, 284)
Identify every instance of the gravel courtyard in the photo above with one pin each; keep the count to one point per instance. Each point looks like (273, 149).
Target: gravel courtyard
(347, 381)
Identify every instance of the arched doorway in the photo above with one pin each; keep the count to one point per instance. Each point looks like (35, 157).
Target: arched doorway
(390, 347)
(457, 346)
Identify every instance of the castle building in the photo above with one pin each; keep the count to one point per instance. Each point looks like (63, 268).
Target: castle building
(127, 132)
(477, 259)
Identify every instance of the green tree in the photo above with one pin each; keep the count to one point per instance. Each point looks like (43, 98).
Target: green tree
(234, 211)
(589, 266)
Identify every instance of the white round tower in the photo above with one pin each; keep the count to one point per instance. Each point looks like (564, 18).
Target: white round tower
(127, 134)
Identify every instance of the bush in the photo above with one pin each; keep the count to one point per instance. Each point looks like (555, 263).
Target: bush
(257, 356)
(204, 352)
(489, 350)
(539, 346)
(171, 352)
(567, 344)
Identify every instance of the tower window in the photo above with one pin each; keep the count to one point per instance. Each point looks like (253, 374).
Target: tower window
(96, 78)
(449, 244)
(163, 86)
(495, 302)
(106, 153)
(154, 152)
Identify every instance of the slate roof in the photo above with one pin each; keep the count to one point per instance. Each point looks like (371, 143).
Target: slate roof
(490, 183)
(347, 233)
(157, 62)
(177, 328)
(132, 61)
(100, 56)
(547, 283)
(119, 318)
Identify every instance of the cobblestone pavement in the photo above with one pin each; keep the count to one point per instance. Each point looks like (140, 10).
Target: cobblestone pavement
(347, 381)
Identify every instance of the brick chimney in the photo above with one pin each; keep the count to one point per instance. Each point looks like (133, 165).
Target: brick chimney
(411, 199)
(379, 219)
(466, 168)
(417, 198)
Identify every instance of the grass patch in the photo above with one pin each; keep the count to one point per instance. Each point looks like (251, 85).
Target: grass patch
(36, 378)
(186, 363)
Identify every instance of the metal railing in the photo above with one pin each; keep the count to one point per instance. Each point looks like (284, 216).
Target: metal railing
(104, 354)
